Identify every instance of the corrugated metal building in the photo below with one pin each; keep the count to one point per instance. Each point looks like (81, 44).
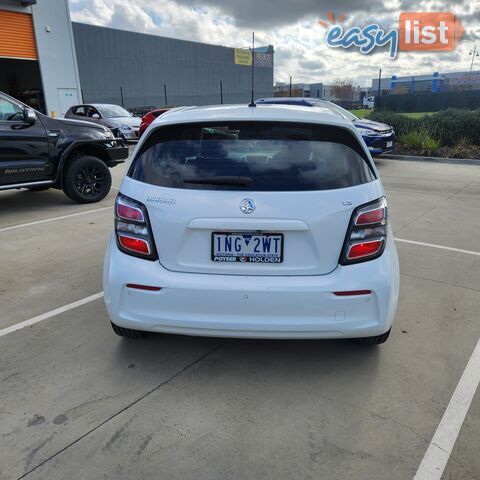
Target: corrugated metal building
(115, 63)
(428, 83)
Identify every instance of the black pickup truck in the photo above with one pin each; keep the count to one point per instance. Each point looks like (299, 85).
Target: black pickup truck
(38, 152)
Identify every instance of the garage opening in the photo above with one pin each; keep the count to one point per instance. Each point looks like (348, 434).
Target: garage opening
(19, 68)
(21, 80)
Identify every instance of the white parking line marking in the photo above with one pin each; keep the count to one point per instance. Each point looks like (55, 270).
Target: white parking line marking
(441, 247)
(440, 448)
(53, 219)
(52, 313)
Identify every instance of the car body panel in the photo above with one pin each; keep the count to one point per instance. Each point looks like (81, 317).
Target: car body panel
(24, 153)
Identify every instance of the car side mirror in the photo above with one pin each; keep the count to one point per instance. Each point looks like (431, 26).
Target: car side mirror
(96, 115)
(29, 116)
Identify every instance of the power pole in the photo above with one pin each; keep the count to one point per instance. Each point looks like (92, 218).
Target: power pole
(290, 86)
(379, 81)
(473, 53)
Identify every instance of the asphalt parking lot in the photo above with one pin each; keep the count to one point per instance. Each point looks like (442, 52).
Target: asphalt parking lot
(78, 402)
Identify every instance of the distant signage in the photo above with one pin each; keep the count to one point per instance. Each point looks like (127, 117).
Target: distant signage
(463, 78)
(243, 57)
(263, 59)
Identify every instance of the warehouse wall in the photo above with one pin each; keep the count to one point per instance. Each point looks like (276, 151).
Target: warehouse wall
(141, 64)
(56, 53)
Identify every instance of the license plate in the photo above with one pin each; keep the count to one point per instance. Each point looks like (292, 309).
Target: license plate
(247, 247)
(390, 144)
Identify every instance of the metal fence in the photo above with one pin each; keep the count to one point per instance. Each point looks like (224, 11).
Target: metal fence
(136, 99)
(429, 102)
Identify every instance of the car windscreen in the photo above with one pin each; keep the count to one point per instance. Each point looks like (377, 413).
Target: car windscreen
(260, 156)
(344, 113)
(113, 111)
(316, 102)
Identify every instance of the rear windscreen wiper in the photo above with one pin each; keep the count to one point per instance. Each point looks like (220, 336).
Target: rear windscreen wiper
(242, 181)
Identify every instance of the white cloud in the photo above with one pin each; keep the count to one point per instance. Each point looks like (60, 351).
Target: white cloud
(299, 44)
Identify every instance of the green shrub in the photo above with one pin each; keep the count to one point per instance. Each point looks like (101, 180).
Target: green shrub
(400, 123)
(451, 125)
(448, 126)
(413, 140)
(421, 141)
(430, 144)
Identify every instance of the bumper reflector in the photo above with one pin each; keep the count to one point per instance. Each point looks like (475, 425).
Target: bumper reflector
(143, 287)
(352, 293)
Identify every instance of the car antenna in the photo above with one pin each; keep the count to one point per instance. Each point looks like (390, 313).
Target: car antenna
(252, 102)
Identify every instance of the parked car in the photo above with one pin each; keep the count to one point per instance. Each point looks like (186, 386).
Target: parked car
(379, 137)
(120, 121)
(38, 152)
(267, 222)
(149, 118)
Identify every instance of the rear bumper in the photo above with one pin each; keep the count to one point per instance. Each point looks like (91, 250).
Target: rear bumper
(252, 306)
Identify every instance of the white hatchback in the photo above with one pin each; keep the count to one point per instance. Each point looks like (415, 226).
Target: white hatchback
(253, 222)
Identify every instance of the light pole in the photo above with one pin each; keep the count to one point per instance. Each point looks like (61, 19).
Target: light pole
(379, 81)
(473, 53)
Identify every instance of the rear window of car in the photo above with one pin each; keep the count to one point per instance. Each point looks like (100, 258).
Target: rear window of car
(253, 156)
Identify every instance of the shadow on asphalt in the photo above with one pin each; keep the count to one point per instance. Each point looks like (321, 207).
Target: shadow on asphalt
(271, 358)
(12, 201)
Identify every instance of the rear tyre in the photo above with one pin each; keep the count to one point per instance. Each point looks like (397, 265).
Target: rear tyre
(87, 179)
(127, 332)
(379, 339)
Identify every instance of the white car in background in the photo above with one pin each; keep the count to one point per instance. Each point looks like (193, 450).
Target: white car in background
(254, 222)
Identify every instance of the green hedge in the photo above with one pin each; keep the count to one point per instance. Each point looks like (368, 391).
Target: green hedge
(449, 127)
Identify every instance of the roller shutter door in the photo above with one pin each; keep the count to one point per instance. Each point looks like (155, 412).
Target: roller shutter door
(17, 37)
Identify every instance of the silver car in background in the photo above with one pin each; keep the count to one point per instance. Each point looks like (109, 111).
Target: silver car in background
(120, 121)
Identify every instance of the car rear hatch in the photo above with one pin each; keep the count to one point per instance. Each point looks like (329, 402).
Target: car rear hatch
(251, 198)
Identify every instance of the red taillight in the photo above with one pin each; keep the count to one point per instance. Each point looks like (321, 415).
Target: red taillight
(365, 249)
(367, 232)
(129, 213)
(137, 245)
(132, 228)
(370, 217)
